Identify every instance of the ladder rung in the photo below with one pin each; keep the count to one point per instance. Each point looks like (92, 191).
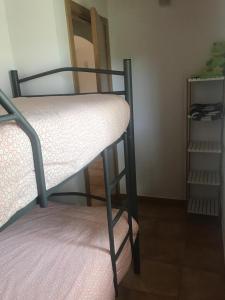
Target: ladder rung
(122, 245)
(117, 179)
(118, 215)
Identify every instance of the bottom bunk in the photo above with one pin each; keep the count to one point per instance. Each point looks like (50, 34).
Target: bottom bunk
(62, 252)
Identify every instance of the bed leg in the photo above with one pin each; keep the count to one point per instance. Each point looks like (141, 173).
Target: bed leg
(136, 256)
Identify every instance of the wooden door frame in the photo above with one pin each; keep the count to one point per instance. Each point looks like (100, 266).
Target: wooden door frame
(73, 9)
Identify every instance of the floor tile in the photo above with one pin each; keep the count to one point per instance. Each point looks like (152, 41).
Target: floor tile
(147, 227)
(162, 212)
(162, 249)
(127, 294)
(204, 234)
(170, 229)
(204, 258)
(199, 285)
(156, 278)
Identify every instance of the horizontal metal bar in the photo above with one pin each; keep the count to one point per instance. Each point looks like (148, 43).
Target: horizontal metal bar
(117, 179)
(6, 118)
(78, 94)
(78, 194)
(118, 215)
(122, 245)
(72, 69)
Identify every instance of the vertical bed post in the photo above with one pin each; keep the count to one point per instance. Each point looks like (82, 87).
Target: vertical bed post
(131, 156)
(15, 84)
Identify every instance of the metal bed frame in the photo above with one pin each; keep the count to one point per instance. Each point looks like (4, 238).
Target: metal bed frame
(131, 205)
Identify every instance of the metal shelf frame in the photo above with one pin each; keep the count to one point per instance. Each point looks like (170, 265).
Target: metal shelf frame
(207, 207)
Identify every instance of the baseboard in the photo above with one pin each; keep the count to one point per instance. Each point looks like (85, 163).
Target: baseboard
(162, 197)
(161, 200)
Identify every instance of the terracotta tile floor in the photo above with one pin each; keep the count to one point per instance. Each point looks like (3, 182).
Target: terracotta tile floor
(181, 257)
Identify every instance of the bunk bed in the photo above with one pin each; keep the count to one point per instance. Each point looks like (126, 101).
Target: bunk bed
(66, 132)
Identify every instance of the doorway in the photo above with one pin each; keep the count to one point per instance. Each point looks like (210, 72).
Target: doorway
(89, 47)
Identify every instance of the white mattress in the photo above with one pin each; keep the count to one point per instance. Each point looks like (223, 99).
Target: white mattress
(73, 130)
(61, 253)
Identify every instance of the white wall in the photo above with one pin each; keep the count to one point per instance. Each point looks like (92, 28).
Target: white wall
(35, 38)
(6, 57)
(167, 44)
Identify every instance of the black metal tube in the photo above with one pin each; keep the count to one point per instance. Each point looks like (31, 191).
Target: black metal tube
(129, 191)
(130, 136)
(117, 179)
(14, 78)
(122, 245)
(109, 217)
(131, 157)
(35, 144)
(7, 118)
(72, 69)
(78, 194)
(118, 215)
(77, 94)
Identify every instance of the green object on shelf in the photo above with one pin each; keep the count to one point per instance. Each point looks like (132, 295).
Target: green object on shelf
(215, 66)
(218, 49)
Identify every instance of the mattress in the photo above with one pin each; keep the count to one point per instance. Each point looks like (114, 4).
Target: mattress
(61, 253)
(73, 130)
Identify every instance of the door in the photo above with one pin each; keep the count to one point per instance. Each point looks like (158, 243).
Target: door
(100, 38)
(89, 47)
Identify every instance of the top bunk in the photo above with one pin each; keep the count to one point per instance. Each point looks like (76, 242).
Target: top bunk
(66, 133)
(73, 131)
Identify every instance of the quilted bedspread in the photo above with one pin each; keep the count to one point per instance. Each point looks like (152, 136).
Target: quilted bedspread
(73, 130)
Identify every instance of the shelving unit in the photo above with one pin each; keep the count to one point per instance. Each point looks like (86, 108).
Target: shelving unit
(204, 149)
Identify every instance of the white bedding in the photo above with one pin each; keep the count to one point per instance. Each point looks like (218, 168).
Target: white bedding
(73, 130)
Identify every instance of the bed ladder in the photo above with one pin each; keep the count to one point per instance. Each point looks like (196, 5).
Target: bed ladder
(112, 221)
